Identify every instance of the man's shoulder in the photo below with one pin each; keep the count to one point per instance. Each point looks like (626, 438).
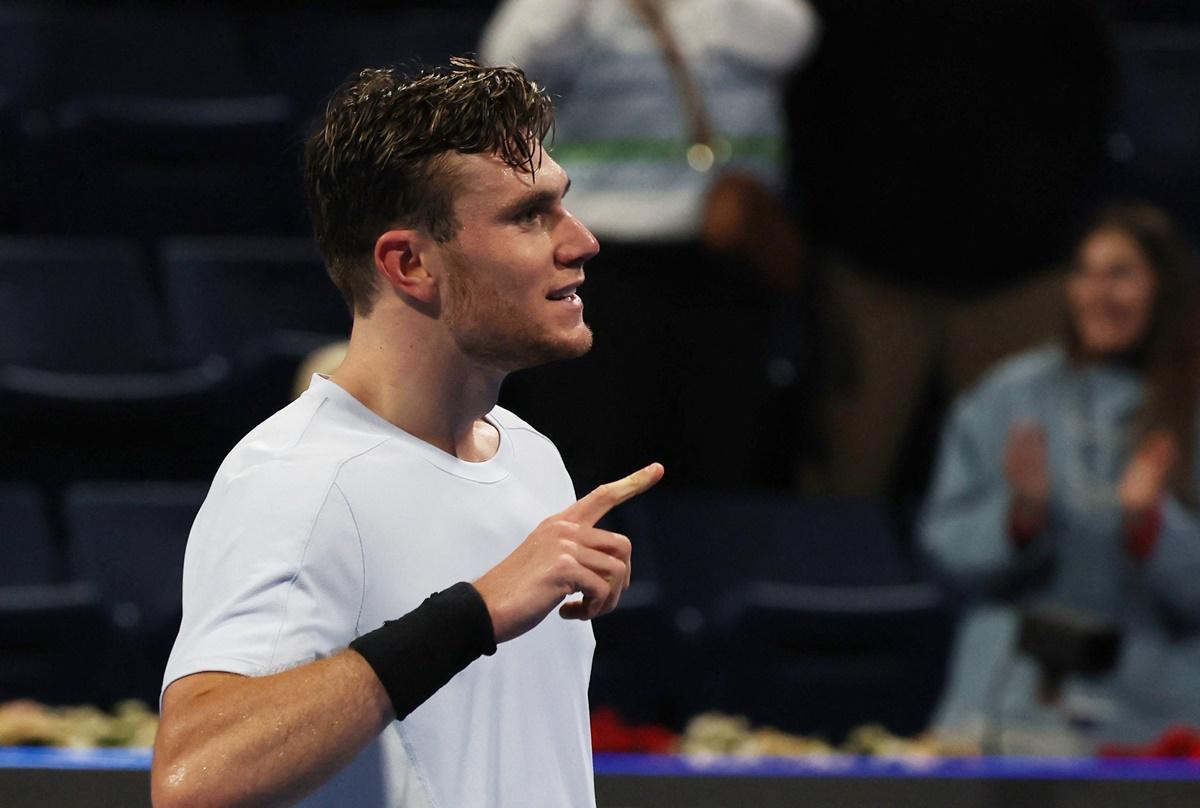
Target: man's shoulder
(299, 447)
(272, 489)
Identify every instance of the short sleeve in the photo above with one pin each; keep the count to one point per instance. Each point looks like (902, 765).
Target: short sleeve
(273, 577)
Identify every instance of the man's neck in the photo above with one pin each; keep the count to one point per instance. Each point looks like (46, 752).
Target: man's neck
(429, 390)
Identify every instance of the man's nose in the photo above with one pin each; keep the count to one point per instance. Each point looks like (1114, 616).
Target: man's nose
(578, 244)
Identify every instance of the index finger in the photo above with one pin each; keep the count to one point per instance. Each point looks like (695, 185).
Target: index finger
(591, 508)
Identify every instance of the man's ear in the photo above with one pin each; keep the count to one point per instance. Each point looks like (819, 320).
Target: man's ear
(401, 261)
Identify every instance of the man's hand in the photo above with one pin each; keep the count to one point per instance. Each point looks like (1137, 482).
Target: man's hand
(1148, 473)
(565, 554)
(1026, 466)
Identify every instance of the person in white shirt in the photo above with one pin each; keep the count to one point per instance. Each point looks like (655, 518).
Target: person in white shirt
(312, 663)
(624, 126)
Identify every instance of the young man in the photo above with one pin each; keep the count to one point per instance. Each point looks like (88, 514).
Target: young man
(442, 222)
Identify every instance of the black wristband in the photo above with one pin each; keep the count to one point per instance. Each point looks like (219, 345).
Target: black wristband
(417, 654)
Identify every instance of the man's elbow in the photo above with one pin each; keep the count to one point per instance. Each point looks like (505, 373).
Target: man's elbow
(175, 777)
(170, 785)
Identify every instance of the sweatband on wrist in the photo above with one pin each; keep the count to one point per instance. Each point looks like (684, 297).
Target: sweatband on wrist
(423, 650)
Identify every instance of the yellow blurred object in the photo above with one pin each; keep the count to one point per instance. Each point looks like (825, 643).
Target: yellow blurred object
(27, 723)
(324, 360)
(771, 742)
(716, 733)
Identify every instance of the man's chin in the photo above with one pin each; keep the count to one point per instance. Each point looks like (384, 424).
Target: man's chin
(513, 357)
(558, 351)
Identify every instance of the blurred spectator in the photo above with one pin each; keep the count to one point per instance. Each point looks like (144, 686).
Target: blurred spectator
(625, 123)
(1069, 475)
(941, 152)
(661, 99)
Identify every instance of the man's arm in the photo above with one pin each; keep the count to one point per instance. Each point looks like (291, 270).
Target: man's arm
(226, 739)
(229, 740)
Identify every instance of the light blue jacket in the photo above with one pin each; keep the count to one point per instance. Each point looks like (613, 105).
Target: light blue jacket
(1079, 561)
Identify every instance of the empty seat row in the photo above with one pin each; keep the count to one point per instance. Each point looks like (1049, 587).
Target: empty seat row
(1155, 146)
(92, 306)
(145, 122)
(800, 614)
(91, 617)
(197, 126)
(111, 369)
(50, 54)
(149, 166)
(127, 537)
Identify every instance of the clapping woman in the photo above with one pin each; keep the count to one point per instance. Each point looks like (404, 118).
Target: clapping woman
(1069, 475)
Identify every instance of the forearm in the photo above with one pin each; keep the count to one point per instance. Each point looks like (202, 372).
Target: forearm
(228, 740)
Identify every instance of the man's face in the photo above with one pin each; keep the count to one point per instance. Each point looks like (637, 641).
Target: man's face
(514, 265)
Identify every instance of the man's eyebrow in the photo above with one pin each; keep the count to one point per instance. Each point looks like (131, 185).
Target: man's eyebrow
(535, 199)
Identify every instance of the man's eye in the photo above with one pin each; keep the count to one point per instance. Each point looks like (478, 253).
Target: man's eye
(529, 215)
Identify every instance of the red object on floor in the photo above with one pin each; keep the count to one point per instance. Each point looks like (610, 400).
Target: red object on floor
(610, 733)
(1176, 742)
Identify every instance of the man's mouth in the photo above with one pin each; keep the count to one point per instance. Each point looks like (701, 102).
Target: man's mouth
(565, 293)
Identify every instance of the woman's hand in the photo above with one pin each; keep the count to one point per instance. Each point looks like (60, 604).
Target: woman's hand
(1148, 474)
(1026, 466)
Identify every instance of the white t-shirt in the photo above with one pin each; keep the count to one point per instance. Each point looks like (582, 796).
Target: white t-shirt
(325, 521)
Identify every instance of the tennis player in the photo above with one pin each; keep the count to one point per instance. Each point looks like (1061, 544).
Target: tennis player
(313, 663)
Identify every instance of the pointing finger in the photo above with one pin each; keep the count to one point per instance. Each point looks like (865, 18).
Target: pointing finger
(589, 510)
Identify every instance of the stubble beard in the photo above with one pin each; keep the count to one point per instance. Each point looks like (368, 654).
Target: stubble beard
(497, 333)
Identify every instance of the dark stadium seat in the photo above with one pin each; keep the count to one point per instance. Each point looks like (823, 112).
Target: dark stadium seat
(26, 549)
(75, 306)
(823, 660)
(249, 298)
(104, 94)
(148, 166)
(708, 542)
(181, 52)
(50, 53)
(640, 667)
(9, 162)
(337, 44)
(803, 614)
(53, 641)
(636, 654)
(87, 386)
(1155, 149)
(128, 539)
(261, 303)
(24, 55)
